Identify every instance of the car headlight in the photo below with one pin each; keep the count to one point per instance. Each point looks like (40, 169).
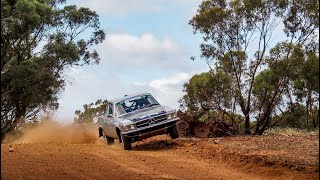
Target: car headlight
(171, 115)
(129, 127)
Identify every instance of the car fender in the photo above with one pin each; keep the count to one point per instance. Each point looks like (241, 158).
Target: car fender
(119, 124)
(168, 109)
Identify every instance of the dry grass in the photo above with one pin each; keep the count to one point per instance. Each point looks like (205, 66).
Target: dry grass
(291, 131)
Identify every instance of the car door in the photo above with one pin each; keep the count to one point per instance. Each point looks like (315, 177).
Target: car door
(110, 127)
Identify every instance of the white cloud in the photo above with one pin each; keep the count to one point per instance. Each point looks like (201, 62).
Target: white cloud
(122, 7)
(167, 90)
(126, 7)
(144, 51)
(86, 87)
(169, 83)
(135, 45)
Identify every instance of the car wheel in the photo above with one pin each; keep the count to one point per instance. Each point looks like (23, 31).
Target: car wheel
(108, 139)
(126, 143)
(173, 131)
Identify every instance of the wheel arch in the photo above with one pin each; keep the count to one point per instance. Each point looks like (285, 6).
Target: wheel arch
(100, 131)
(118, 134)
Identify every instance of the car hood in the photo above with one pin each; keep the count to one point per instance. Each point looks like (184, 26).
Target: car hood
(140, 114)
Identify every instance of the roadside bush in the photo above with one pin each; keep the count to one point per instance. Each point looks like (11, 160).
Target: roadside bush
(292, 131)
(296, 118)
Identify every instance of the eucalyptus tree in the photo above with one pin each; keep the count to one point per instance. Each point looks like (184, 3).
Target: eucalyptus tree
(285, 83)
(40, 40)
(208, 91)
(90, 111)
(238, 35)
(306, 87)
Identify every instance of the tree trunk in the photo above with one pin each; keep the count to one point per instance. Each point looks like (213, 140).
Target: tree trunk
(264, 127)
(258, 125)
(247, 124)
(4, 130)
(263, 121)
(10, 126)
(316, 119)
(308, 104)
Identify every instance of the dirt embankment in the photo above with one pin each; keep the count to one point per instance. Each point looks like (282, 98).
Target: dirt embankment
(52, 151)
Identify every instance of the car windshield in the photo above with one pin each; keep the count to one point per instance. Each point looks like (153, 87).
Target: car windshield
(134, 104)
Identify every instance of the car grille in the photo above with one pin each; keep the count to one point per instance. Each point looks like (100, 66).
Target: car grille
(148, 122)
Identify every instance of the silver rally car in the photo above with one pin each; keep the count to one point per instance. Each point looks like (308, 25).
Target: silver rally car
(135, 117)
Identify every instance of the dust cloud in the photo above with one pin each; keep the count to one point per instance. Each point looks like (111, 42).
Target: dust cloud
(54, 132)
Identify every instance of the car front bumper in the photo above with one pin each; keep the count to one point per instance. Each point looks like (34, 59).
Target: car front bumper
(151, 129)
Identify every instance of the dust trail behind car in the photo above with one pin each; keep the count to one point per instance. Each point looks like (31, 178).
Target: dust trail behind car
(54, 132)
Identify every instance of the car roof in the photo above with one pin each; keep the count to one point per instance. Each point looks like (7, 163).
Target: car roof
(125, 97)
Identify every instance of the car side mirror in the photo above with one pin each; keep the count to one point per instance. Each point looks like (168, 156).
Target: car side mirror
(109, 116)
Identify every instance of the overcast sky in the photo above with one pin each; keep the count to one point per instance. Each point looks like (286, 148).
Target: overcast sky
(147, 49)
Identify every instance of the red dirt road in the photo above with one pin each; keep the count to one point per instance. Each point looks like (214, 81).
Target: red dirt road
(162, 158)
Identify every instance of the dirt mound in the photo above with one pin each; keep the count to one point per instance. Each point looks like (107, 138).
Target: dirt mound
(157, 143)
(54, 132)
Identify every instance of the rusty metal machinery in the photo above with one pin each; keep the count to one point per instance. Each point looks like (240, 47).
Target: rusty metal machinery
(190, 126)
(201, 129)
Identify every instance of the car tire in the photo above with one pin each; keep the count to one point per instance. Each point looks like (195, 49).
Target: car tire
(173, 132)
(108, 139)
(126, 143)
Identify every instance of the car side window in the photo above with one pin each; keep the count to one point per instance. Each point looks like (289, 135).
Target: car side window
(110, 110)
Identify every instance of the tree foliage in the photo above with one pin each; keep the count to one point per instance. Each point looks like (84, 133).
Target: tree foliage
(41, 39)
(280, 85)
(208, 90)
(91, 111)
(237, 37)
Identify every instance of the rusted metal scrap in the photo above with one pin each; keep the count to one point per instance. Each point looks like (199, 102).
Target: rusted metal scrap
(190, 126)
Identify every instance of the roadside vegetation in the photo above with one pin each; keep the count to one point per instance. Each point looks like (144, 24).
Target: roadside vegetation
(291, 131)
(40, 40)
(269, 81)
